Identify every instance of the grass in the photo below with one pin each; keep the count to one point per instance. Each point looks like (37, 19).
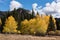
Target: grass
(26, 37)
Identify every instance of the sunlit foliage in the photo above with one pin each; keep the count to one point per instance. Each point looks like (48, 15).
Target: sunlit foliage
(35, 25)
(10, 25)
(0, 21)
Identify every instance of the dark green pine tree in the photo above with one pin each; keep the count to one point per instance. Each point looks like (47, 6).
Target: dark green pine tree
(8, 14)
(22, 16)
(51, 26)
(17, 17)
(37, 13)
(28, 16)
(15, 14)
(33, 14)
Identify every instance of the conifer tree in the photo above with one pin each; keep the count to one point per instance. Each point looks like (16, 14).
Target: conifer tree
(10, 25)
(0, 24)
(33, 13)
(15, 14)
(52, 25)
(37, 13)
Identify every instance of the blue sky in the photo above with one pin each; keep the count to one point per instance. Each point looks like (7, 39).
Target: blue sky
(27, 4)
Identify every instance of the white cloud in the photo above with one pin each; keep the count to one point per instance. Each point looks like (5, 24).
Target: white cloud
(53, 8)
(15, 4)
(47, 4)
(34, 5)
(57, 0)
(50, 8)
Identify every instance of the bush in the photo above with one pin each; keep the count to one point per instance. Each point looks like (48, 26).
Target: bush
(18, 32)
(35, 26)
(57, 32)
(51, 33)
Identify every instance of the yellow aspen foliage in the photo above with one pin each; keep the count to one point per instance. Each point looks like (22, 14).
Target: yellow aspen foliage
(0, 21)
(43, 24)
(10, 25)
(54, 23)
(25, 27)
(35, 25)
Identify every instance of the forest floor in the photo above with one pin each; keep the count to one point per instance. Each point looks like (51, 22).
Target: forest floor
(27, 37)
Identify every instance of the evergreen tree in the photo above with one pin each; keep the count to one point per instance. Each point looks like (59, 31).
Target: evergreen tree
(15, 14)
(0, 24)
(10, 25)
(20, 18)
(51, 26)
(37, 13)
(3, 18)
(17, 17)
(33, 13)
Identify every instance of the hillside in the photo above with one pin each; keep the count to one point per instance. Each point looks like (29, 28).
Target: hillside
(19, 15)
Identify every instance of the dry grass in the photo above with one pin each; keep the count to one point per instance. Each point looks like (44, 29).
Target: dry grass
(26, 37)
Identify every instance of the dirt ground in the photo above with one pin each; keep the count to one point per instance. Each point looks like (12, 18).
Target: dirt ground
(26, 37)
